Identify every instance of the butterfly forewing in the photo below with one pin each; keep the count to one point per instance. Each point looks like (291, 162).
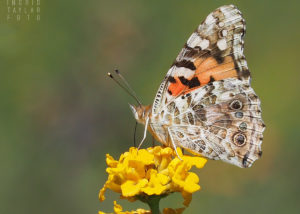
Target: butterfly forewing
(213, 52)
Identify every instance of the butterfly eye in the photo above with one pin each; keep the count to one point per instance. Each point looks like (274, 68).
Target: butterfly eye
(236, 105)
(239, 139)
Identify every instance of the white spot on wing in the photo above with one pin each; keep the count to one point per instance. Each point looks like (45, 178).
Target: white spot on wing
(221, 24)
(222, 45)
(193, 40)
(182, 71)
(209, 19)
(204, 44)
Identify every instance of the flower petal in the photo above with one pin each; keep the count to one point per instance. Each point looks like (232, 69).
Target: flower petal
(191, 183)
(117, 207)
(187, 198)
(101, 193)
(131, 188)
(199, 162)
(110, 161)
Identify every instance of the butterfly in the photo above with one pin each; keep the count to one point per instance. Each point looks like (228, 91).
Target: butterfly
(205, 103)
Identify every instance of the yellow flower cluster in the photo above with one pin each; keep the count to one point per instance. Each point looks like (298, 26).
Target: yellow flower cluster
(156, 170)
(118, 209)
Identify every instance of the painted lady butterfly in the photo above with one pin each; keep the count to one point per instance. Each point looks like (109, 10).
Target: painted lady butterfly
(205, 104)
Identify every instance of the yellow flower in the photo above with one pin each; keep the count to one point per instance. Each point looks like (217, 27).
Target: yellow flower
(155, 171)
(118, 209)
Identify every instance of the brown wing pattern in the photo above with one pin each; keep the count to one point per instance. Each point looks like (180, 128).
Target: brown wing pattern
(221, 120)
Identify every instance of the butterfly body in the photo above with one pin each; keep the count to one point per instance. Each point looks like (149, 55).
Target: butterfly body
(205, 104)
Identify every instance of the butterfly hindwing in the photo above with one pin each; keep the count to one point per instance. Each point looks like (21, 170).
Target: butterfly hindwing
(221, 120)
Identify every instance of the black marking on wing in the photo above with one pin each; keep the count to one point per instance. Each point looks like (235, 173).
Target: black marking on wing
(245, 159)
(242, 72)
(219, 58)
(195, 52)
(184, 81)
(194, 82)
(191, 52)
(211, 79)
(171, 79)
(186, 64)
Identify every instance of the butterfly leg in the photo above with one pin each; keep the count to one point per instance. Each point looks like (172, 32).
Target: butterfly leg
(153, 141)
(174, 145)
(145, 133)
(134, 140)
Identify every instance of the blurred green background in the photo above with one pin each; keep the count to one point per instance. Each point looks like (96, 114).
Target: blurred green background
(60, 114)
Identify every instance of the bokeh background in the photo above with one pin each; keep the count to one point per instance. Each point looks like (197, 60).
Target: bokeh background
(60, 114)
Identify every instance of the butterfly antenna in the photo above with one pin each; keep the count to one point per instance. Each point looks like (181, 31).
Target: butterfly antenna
(127, 90)
(128, 86)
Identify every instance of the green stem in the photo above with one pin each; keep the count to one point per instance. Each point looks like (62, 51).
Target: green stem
(154, 204)
(152, 201)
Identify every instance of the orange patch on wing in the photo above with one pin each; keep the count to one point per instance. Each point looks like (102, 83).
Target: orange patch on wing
(207, 68)
(177, 87)
(205, 64)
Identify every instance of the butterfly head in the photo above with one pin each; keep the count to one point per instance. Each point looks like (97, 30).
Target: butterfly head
(140, 112)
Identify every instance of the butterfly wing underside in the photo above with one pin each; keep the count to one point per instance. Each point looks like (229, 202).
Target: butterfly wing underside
(206, 100)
